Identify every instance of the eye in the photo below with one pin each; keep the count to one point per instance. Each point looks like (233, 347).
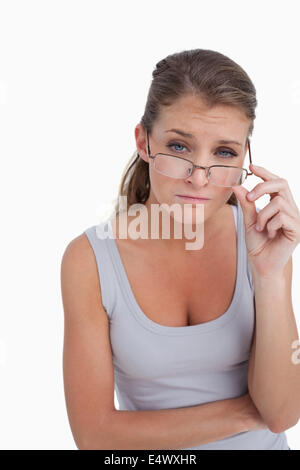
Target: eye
(231, 153)
(175, 144)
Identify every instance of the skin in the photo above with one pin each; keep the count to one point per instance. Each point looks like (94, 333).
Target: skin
(189, 113)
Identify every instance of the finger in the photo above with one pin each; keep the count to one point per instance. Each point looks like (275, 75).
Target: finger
(267, 175)
(262, 172)
(284, 222)
(269, 211)
(272, 187)
(248, 208)
(278, 204)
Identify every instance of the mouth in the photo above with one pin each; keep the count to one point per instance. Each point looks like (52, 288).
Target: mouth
(192, 199)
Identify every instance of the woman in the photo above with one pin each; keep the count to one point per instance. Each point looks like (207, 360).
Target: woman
(173, 329)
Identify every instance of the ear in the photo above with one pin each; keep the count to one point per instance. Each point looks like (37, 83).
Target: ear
(141, 142)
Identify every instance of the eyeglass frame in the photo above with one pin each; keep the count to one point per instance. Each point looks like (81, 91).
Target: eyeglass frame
(206, 168)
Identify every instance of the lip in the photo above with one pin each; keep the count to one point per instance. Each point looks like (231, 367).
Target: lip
(192, 199)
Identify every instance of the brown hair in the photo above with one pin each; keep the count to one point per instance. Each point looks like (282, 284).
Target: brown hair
(214, 77)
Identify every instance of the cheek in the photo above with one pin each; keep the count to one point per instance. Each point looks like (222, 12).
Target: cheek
(162, 187)
(221, 192)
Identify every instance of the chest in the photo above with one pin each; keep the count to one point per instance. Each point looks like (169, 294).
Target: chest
(182, 292)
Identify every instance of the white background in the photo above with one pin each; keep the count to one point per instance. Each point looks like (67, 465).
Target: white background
(74, 77)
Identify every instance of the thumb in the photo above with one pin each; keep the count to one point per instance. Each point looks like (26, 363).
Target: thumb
(248, 207)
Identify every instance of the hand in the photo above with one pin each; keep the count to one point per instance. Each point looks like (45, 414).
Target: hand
(270, 248)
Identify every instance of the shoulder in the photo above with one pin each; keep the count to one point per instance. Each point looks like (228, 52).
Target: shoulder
(78, 264)
(78, 250)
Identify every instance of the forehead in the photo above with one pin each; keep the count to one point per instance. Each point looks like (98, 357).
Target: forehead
(191, 114)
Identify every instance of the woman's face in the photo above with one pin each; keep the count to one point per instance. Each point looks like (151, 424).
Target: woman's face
(207, 127)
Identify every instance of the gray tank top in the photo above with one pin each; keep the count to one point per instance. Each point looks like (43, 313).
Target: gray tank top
(160, 367)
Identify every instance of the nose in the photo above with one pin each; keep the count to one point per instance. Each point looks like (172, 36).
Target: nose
(198, 177)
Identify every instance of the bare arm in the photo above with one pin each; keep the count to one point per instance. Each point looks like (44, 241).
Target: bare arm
(273, 378)
(174, 428)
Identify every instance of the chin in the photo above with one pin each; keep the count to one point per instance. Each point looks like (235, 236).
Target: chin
(190, 215)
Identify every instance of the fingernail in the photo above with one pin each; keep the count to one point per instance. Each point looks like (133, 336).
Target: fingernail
(257, 227)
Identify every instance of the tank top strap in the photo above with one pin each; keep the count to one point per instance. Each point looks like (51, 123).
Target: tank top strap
(244, 247)
(234, 208)
(99, 237)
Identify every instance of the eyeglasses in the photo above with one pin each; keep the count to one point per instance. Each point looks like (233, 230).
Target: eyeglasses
(179, 167)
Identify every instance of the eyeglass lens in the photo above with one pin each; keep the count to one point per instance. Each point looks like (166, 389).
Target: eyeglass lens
(178, 168)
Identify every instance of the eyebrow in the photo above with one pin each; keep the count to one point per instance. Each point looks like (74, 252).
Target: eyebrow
(186, 134)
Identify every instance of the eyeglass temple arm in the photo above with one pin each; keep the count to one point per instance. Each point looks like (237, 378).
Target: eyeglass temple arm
(250, 158)
(148, 143)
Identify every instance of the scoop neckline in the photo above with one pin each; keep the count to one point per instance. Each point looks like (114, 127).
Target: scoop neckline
(157, 328)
